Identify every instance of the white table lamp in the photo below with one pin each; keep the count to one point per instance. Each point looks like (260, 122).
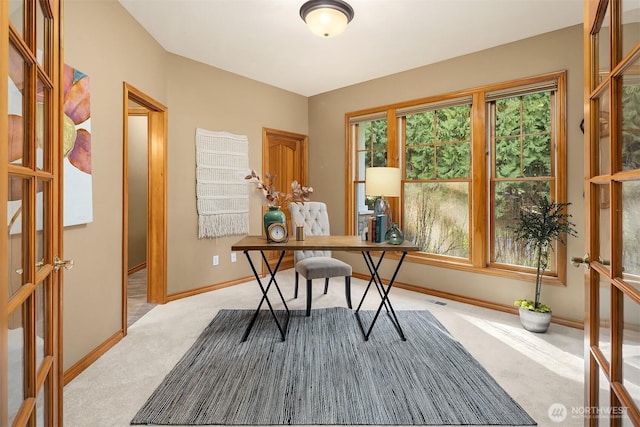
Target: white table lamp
(382, 182)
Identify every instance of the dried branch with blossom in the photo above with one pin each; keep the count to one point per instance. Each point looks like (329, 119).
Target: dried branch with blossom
(273, 197)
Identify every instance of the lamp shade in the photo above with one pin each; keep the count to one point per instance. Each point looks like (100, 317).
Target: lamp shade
(326, 18)
(382, 181)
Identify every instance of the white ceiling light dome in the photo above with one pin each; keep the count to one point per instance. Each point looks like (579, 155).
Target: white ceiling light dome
(326, 18)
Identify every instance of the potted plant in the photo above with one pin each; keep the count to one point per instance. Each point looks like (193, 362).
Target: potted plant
(540, 225)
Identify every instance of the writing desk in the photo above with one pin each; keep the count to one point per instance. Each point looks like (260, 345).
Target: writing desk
(326, 243)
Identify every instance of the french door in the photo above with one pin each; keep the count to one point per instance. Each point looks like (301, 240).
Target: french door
(612, 193)
(30, 330)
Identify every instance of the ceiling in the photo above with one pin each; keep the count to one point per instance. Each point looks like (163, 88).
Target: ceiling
(266, 40)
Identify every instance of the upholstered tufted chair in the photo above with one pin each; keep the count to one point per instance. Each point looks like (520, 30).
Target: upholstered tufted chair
(316, 264)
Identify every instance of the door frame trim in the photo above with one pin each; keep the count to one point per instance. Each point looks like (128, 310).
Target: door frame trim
(156, 198)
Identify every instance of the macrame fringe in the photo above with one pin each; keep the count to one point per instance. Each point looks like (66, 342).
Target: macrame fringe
(223, 225)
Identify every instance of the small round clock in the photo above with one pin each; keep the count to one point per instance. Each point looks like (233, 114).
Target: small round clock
(277, 232)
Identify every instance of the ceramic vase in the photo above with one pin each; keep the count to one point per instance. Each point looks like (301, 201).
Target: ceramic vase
(273, 214)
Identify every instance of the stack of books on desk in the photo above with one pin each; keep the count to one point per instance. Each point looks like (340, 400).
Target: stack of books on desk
(377, 226)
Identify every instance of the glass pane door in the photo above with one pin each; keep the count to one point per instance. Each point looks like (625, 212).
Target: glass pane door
(612, 136)
(29, 361)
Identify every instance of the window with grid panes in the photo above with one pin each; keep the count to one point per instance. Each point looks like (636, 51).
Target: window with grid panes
(518, 143)
(523, 140)
(370, 142)
(437, 186)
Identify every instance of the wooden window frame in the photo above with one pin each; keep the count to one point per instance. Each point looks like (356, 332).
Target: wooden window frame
(434, 108)
(558, 158)
(479, 218)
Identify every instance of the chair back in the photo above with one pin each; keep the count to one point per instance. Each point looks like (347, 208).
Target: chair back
(314, 217)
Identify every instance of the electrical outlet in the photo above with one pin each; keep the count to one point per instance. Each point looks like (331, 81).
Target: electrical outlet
(216, 260)
(233, 257)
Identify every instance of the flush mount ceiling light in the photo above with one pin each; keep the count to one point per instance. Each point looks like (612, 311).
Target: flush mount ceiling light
(326, 18)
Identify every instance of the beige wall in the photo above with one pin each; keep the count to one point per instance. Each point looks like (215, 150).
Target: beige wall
(204, 97)
(137, 143)
(102, 40)
(560, 50)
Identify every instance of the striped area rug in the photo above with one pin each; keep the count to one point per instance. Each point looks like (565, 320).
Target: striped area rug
(325, 373)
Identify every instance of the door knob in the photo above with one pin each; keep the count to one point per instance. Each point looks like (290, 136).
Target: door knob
(58, 263)
(576, 261)
(38, 265)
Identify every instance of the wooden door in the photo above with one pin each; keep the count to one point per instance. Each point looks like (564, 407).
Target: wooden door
(284, 154)
(612, 193)
(30, 189)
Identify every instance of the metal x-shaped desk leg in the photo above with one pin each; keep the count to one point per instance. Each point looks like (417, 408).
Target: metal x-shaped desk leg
(383, 292)
(265, 290)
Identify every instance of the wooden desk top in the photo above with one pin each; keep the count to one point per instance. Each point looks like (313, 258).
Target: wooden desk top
(321, 243)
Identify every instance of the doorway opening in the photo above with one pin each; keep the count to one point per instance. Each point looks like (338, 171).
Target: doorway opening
(137, 184)
(144, 211)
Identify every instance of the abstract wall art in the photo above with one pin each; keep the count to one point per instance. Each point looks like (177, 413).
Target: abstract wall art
(78, 206)
(76, 141)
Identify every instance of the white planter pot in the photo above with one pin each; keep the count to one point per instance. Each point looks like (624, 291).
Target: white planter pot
(533, 321)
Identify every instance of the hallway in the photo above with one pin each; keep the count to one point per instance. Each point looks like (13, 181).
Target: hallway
(137, 305)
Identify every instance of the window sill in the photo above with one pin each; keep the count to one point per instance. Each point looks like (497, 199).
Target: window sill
(492, 271)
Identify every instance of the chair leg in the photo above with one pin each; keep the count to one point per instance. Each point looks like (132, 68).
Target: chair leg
(295, 291)
(308, 297)
(347, 289)
(326, 285)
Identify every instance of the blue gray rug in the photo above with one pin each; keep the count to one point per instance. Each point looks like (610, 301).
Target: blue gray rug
(325, 373)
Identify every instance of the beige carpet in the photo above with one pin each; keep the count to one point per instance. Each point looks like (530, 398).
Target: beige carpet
(539, 371)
